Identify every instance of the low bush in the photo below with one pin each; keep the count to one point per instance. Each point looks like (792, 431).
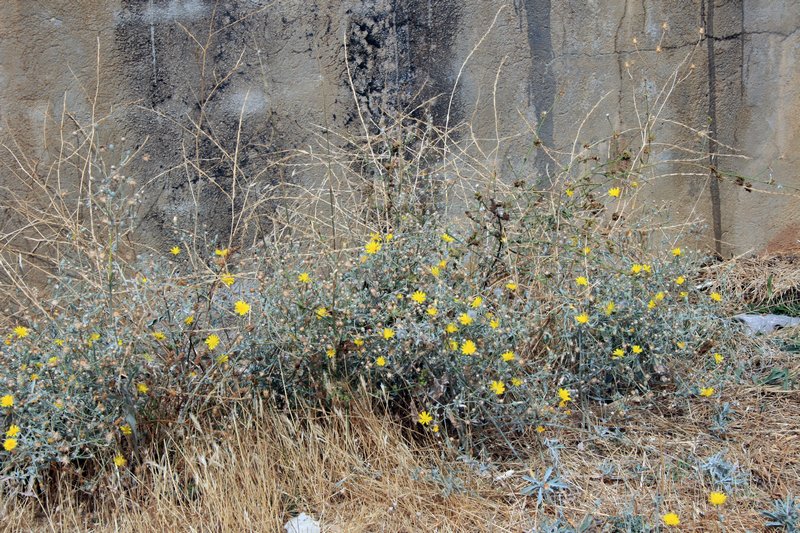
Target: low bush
(460, 332)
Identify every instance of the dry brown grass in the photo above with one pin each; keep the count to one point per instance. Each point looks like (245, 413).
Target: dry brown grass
(357, 471)
(764, 280)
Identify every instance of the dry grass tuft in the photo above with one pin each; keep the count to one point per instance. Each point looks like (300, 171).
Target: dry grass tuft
(352, 471)
(768, 280)
(357, 471)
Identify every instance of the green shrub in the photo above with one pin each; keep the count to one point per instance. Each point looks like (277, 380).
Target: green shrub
(433, 324)
(521, 286)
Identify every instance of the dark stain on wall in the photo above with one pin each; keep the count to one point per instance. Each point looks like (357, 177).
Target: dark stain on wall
(181, 94)
(542, 81)
(399, 54)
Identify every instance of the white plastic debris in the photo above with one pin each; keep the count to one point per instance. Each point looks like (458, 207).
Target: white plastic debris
(766, 323)
(302, 523)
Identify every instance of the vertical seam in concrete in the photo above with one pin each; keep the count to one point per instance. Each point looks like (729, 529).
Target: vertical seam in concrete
(707, 14)
(741, 53)
(620, 61)
(543, 89)
(153, 40)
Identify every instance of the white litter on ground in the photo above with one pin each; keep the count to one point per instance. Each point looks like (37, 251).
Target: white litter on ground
(766, 323)
(302, 523)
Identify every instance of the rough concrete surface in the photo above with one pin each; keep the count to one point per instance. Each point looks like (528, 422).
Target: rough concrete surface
(168, 68)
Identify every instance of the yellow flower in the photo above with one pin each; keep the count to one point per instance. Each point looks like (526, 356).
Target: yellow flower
(508, 356)
(189, 320)
(372, 247)
(222, 253)
(540, 429)
(609, 308)
(570, 192)
(358, 341)
(374, 236)
(676, 252)
(126, 430)
(582, 281)
(53, 361)
(120, 461)
(660, 296)
(227, 279)
(582, 318)
(435, 271)
(435, 428)
(651, 304)
(380, 361)
(389, 237)
(516, 382)
(614, 192)
(303, 277)
(58, 404)
(241, 307)
(636, 268)
(330, 352)
(586, 250)
(94, 337)
(717, 498)
(717, 297)
(453, 344)
(447, 238)
(21, 331)
(419, 297)
(498, 387)
(511, 286)
(683, 294)
(680, 280)
(671, 519)
(388, 333)
(142, 388)
(619, 352)
(9, 444)
(564, 395)
(681, 345)
(34, 377)
(494, 323)
(212, 341)
(476, 302)
(13, 430)
(322, 312)
(159, 335)
(706, 391)
(468, 347)
(59, 342)
(451, 328)
(718, 358)
(222, 359)
(465, 319)
(432, 311)
(647, 268)
(175, 250)
(424, 418)
(637, 349)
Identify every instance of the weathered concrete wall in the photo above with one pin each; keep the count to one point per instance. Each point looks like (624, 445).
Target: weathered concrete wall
(171, 67)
